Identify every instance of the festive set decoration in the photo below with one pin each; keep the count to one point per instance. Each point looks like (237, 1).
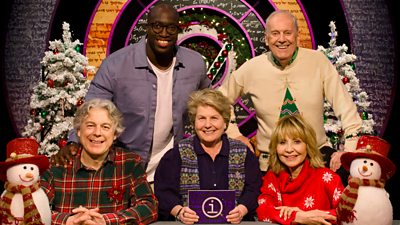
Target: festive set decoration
(64, 79)
(56, 97)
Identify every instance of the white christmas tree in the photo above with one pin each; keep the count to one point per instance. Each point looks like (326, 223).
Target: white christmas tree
(344, 64)
(62, 89)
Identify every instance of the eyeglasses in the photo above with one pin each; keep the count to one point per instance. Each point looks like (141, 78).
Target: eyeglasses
(158, 28)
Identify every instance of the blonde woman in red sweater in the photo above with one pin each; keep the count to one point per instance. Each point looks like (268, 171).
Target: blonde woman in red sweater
(297, 189)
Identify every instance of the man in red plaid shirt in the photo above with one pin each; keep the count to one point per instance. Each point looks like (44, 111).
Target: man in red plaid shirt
(104, 184)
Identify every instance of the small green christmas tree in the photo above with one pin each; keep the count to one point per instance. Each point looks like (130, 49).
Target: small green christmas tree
(62, 89)
(289, 106)
(344, 64)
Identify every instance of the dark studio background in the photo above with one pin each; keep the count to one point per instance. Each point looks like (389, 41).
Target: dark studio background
(391, 133)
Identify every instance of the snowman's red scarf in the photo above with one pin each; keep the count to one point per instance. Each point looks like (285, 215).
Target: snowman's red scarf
(31, 214)
(348, 199)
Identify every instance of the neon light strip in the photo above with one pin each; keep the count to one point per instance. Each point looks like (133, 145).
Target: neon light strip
(115, 24)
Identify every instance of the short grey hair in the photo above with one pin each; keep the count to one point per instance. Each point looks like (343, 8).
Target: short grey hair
(286, 12)
(97, 103)
(209, 97)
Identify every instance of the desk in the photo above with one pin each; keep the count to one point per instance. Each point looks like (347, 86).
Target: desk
(242, 223)
(395, 222)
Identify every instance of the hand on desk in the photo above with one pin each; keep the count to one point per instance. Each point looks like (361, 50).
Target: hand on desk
(188, 216)
(236, 214)
(312, 217)
(316, 217)
(84, 216)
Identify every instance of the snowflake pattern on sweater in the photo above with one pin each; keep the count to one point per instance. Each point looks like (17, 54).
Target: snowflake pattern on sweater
(318, 188)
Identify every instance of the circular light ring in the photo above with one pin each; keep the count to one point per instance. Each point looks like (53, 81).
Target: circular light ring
(224, 13)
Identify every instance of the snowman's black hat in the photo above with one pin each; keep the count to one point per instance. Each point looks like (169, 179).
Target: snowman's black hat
(371, 147)
(20, 151)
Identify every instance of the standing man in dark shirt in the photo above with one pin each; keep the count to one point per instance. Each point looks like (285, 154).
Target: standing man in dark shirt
(150, 83)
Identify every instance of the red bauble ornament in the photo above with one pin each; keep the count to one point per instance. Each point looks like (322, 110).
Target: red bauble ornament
(225, 53)
(345, 80)
(222, 36)
(210, 76)
(62, 142)
(217, 64)
(79, 102)
(85, 72)
(33, 112)
(50, 83)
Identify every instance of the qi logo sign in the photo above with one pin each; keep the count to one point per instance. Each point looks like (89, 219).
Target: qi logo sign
(212, 206)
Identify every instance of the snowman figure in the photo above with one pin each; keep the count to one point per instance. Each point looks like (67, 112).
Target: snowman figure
(365, 201)
(23, 201)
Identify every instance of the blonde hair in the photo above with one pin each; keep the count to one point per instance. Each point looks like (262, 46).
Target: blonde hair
(209, 97)
(294, 126)
(114, 113)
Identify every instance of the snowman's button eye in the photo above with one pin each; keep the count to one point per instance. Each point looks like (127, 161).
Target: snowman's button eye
(371, 164)
(32, 168)
(365, 161)
(24, 167)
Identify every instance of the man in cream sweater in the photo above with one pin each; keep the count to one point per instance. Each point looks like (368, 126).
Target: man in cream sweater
(289, 70)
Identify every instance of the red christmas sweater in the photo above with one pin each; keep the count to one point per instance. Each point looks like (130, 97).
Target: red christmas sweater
(313, 189)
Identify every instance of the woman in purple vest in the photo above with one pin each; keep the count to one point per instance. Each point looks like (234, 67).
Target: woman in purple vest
(208, 160)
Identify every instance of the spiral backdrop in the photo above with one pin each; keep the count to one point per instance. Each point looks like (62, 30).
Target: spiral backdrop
(108, 25)
(104, 26)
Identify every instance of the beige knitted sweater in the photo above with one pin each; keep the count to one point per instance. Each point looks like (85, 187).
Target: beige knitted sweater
(310, 78)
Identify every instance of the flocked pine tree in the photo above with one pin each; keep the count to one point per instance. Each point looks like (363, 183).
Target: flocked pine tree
(344, 64)
(61, 90)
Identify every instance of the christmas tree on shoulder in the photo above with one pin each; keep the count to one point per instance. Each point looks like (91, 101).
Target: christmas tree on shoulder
(62, 89)
(344, 64)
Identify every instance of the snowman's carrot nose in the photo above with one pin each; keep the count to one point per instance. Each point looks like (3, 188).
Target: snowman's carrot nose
(365, 168)
(29, 175)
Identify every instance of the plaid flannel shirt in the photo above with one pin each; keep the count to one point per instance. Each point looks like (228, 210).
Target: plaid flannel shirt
(119, 189)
